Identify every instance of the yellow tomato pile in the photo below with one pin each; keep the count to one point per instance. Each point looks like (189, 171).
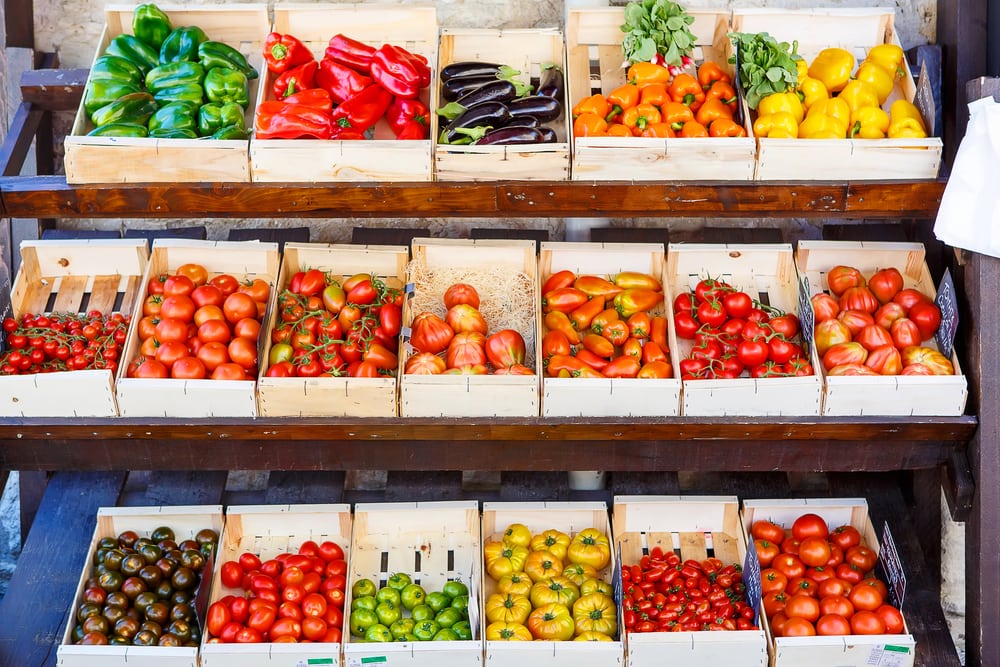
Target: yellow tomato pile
(195, 328)
(549, 586)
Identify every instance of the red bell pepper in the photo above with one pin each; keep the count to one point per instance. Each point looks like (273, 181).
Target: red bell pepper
(364, 109)
(350, 52)
(400, 72)
(283, 52)
(413, 131)
(340, 81)
(404, 112)
(346, 134)
(317, 98)
(302, 77)
(278, 120)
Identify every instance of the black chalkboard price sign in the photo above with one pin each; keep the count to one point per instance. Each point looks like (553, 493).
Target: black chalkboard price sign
(948, 304)
(807, 318)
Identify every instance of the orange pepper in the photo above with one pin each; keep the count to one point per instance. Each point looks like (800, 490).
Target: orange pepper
(685, 88)
(618, 130)
(712, 109)
(655, 94)
(621, 98)
(595, 104)
(658, 130)
(726, 127)
(710, 72)
(642, 73)
(638, 117)
(676, 113)
(724, 91)
(589, 124)
(693, 129)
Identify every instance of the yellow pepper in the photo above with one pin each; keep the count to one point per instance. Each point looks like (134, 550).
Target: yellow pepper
(869, 123)
(827, 119)
(833, 67)
(780, 125)
(643, 73)
(905, 121)
(889, 57)
(802, 69)
(777, 102)
(813, 91)
(859, 94)
(877, 78)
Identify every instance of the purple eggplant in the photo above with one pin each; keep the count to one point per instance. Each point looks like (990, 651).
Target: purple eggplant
(475, 68)
(510, 136)
(548, 135)
(455, 87)
(523, 121)
(487, 114)
(496, 91)
(553, 83)
(542, 108)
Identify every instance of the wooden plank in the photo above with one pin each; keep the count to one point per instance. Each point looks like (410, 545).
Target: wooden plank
(294, 488)
(23, 127)
(34, 611)
(54, 89)
(533, 486)
(416, 486)
(387, 235)
(630, 235)
(644, 483)
(962, 34)
(181, 487)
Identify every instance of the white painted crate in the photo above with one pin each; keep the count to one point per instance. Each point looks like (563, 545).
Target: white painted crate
(695, 528)
(593, 42)
(606, 397)
(76, 277)
(766, 272)
(330, 396)
(269, 530)
(829, 651)
(909, 395)
(145, 160)
(857, 30)
(433, 542)
(196, 398)
(570, 518)
(186, 522)
(526, 50)
(322, 160)
(471, 395)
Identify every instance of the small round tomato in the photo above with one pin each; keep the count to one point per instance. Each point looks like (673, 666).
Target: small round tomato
(861, 557)
(798, 627)
(892, 619)
(809, 525)
(178, 285)
(789, 565)
(845, 537)
(257, 289)
(331, 551)
(833, 625)
(226, 283)
(865, 597)
(766, 552)
(865, 622)
(814, 551)
(238, 306)
(804, 606)
(767, 530)
(836, 604)
(195, 272)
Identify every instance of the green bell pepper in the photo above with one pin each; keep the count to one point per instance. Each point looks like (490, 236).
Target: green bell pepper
(175, 116)
(114, 67)
(182, 44)
(120, 130)
(172, 134)
(225, 84)
(151, 24)
(101, 92)
(219, 54)
(231, 133)
(180, 73)
(131, 48)
(187, 92)
(214, 116)
(133, 108)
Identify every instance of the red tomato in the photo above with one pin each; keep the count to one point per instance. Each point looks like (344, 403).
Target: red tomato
(168, 353)
(885, 284)
(256, 288)
(814, 551)
(248, 635)
(833, 625)
(243, 351)
(249, 562)
(239, 608)
(927, 317)
(801, 586)
(155, 284)
(797, 627)
(892, 618)
(177, 306)
(889, 313)
(207, 295)
(825, 307)
(285, 627)
(833, 586)
(787, 325)
(233, 371)
(865, 597)
(262, 618)
(217, 618)
(312, 282)
(885, 360)
(178, 285)
(466, 349)
(214, 331)
(314, 628)
(773, 581)
(206, 313)
(425, 363)
(248, 327)
(331, 551)
(905, 333)
(196, 272)
(845, 536)
(873, 336)
(840, 278)
(908, 297)
(314, 604)
(430, 333)
(151, 368)
(843, 354)
(712, 313)
(809, 525)
(859, 298)
(861, 557)
(802, 605)
(774, 602)
(766, 552)
(290, 610)
(836, 604)
(855, 320)
(790, 546)
(238, 306)
(213, 354)
(226, 284)
(767, 530)
(866, 622)
(789, 565)
(462, 293)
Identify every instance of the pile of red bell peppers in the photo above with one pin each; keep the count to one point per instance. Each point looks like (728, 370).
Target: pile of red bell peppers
(344, 94)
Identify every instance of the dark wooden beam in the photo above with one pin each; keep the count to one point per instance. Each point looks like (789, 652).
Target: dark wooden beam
(962, 34)
(16, 145)
(19, 23)
(54, 89)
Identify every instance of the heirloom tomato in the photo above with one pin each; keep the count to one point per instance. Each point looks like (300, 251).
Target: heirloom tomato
(466, 349)
(889, 313)
(885, 360)
(927, 317)
(509, 608)
(461, 293)
(430, 333)
(859, 298)
(462, 317)
(505, 348)
(551, 622)
(844, 353)
(595, 612)
(873, 336)
(905, 333)
(841, 278)
(929, 357)
(590, 547)
(541, 565)
(908, 296)
(824, 306)
(885, 283)
(425, 363)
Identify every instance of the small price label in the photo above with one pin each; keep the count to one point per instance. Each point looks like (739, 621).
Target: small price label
(948, 304)
(751, 579)
(891, 568)
(807, 319)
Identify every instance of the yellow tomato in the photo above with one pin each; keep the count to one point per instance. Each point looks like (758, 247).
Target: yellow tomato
(540, 565)
(507, 608)
(502, 558)
(551, 622)
(595, 613)
(592, 637)
(515, 583)
(551, 540)
(507, 632)
(595, 585)
(590, 547)
(556, 589)
(579, 573)
(517, 533)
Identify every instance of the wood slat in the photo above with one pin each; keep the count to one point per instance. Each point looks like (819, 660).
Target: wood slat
(54, 89)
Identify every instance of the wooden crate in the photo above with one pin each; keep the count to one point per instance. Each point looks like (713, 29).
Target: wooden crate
(767, 273)
(693, 527)
(269, 530)
(525, 50)
(940, 395)
(857, 30)
(594, 58)
(75, 277)
(570, 518)
(470, 395)
(330, 396)
(196, 398)
(382, 159)
(829, 651)
(186, 522)
(606, 397)
(433, 542)
(135, 160)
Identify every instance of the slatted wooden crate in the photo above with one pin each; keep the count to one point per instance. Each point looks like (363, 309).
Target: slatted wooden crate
(382, 159)
(694, 528)
(186, 522)
(471, 395)
(857, 30)
(943, 395)
(169, 397)
(606, 397)
(830, 651)
(267, 531)
(528, 51)
(570, 518)
(767, 273)
(594, 60)
(73, 277)
(135, 160)
(331, 396)
(433, 542)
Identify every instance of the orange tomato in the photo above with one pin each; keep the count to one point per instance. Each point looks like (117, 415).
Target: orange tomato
(195, 272)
